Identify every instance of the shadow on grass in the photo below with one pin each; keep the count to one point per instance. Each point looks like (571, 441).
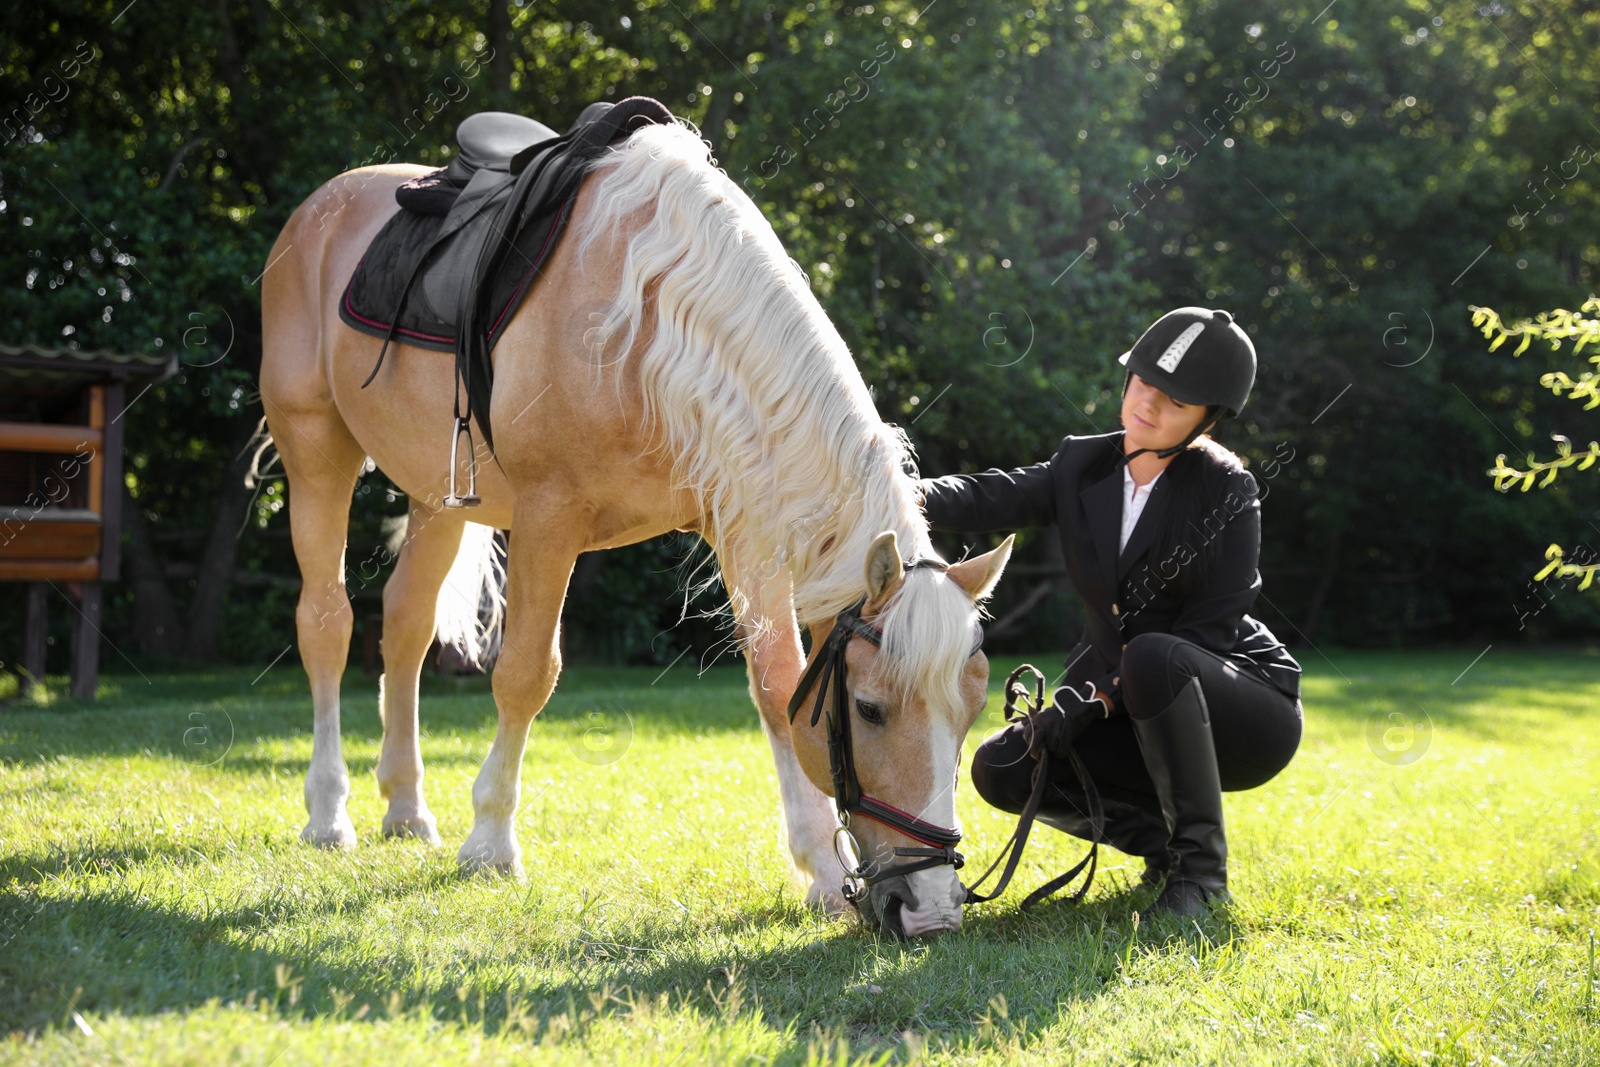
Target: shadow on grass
(197, 716)
(115, 951)
(193, 716)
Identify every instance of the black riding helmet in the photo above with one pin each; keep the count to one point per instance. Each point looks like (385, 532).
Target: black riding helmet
(1196, 356)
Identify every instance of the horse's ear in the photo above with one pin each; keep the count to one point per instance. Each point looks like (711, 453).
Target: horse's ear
(979, 575)
(884, 569)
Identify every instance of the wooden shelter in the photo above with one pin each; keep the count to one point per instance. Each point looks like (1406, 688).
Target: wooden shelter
(61, 435)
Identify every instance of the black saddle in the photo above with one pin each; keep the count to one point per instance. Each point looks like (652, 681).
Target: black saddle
(485, 141)
(447, 271)
(489, 139)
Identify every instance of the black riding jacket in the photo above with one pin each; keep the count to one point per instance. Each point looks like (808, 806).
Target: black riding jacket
(1123, 595)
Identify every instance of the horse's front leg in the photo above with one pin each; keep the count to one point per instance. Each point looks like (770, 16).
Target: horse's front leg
(771, 642)
(544, 544)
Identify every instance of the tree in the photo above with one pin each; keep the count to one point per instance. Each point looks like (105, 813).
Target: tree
(991, 201)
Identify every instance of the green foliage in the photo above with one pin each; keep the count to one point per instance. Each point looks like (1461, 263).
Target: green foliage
(991, 200)
(1558, 567)
(1554, 327)
(633, 605)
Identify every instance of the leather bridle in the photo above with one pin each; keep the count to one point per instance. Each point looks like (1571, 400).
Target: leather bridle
(938, 843)
(827, 674)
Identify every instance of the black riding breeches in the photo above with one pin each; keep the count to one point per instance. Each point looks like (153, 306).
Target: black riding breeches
(1255, 729)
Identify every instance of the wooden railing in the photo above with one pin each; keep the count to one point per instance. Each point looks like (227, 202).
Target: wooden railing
(40, 540)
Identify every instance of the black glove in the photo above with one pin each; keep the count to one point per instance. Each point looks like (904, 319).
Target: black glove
(1068, 715)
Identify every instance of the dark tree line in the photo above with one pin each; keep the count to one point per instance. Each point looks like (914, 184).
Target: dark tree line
(991, 200)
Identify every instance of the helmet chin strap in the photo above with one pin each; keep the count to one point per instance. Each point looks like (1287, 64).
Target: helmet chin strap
(1128, 457)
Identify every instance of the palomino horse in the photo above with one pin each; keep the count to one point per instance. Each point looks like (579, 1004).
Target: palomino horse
(672, 371)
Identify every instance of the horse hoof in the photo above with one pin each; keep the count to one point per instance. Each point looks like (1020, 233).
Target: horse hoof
(474, 859)
(341, 834)
(511, 868)
(422, 827)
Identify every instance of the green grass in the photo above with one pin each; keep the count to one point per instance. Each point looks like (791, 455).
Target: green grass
(156, 905)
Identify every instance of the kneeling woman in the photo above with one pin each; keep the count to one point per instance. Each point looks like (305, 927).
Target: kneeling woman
(1175, 693)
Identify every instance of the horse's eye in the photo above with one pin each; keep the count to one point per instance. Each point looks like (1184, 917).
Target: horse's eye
(870, 712)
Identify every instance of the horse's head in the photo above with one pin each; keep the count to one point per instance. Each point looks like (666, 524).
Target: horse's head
(911, 694)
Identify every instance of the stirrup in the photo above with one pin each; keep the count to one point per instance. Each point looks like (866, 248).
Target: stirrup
(452, 498)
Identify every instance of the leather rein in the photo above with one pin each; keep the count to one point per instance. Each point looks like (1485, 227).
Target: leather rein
(826, 673)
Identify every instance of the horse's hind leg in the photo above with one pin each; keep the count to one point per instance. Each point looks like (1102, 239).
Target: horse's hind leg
(322, 461)
(409, 597)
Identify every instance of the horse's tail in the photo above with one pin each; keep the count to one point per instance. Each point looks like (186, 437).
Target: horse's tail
(472, 601)
(264, 454)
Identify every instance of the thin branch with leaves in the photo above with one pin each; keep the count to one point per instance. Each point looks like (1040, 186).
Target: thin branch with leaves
(1581, 327)
(1559, 567)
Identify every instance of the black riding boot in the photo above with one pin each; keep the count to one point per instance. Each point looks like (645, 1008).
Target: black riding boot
(1181, 759)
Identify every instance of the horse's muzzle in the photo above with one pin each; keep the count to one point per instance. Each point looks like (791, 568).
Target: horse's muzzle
(898, 910)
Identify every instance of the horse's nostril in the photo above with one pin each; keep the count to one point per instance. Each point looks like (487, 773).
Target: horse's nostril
(890, 900)
(890, 916)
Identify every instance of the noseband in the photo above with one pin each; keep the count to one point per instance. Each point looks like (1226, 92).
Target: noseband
(827, 674)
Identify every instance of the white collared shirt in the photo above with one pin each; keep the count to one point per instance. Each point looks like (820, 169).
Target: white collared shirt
(1133, 502)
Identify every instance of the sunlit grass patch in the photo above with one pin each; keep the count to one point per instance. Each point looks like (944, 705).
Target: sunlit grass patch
(1407, 892)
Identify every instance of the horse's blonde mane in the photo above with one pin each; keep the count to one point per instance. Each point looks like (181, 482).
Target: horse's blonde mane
(748, 385)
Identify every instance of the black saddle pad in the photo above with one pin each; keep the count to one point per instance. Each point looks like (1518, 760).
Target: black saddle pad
(373, 294)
